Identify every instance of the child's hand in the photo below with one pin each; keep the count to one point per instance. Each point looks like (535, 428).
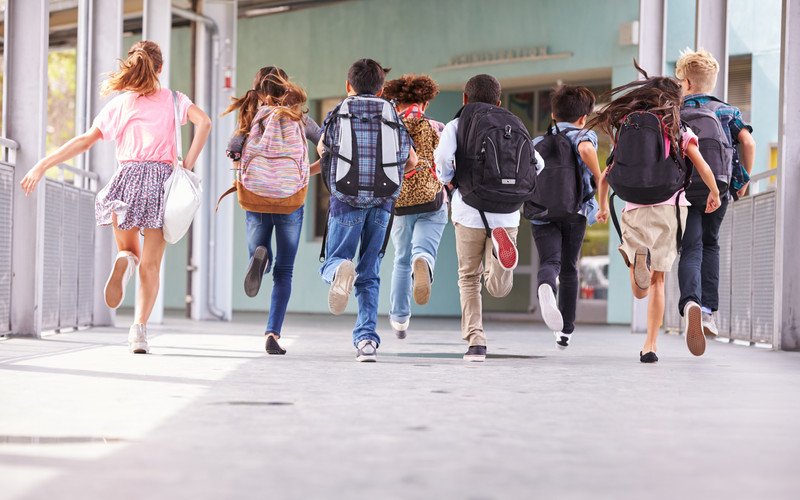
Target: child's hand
(602, 215)
(713, 202)
(743, 191)
(32, 178)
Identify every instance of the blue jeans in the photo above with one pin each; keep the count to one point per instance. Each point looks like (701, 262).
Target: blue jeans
(364, 230)
(287, 237)
(414, 236)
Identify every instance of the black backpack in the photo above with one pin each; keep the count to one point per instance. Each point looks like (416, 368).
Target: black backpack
(714, 147)
(639, 169)
(559, 192)
(495, 162)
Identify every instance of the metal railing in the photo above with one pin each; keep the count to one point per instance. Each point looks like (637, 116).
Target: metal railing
(68, 265)
(8, 150)
(747, 268)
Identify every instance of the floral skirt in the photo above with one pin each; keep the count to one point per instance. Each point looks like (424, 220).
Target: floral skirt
(135, 194)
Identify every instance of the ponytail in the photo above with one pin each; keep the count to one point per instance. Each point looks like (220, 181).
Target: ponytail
(138, 72)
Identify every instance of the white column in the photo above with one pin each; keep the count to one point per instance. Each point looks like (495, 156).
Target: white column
(787, 289)
(157, 20)
(652, 42)
(212, 244)
(711, 34)
(26, 42)
(97, 56)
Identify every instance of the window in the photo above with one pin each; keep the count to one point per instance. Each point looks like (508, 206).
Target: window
(740, 84)
(321, 195)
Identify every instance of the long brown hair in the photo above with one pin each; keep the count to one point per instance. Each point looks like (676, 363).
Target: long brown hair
(138, 72)
(271, 87)
(660, 95)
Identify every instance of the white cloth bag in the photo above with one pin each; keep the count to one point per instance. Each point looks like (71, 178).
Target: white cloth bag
(181, 190)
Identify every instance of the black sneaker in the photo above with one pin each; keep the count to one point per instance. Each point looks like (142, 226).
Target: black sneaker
(476, 354)
(648, 357)
(367, 351)
(255, 271)
(272, 346)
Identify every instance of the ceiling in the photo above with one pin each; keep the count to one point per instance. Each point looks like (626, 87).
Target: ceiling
(64, 15)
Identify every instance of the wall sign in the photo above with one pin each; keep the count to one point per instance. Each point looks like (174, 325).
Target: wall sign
(502, 56)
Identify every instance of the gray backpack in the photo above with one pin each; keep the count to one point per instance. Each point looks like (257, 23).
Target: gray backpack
(714, 147)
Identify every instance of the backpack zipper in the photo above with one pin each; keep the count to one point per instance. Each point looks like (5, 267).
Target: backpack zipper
(496, 161)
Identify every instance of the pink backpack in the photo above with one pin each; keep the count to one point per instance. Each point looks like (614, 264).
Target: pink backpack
(273, 172)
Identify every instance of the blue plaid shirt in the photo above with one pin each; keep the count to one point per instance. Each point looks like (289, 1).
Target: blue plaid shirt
(367, 152)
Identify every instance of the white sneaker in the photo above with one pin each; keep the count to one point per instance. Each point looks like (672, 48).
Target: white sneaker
(562, 339)
(693, 328)
(124, 267)
(367, 351)
(400, 328)
(137, 339)
(710, 325)
(342, 285)
(550, 313)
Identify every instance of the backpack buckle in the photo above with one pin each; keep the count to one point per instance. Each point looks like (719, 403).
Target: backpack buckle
(507, 135)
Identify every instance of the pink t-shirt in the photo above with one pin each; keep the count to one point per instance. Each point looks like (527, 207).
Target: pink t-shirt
(687, 137)
(143, 127)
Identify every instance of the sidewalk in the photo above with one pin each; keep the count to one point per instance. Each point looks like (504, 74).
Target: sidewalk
(209, 415)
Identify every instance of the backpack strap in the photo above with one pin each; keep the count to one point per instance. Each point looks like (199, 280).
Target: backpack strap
(614, 218)
(230, 190)
(388, 233)
(485, 224)
(679, 233)
(325, 235)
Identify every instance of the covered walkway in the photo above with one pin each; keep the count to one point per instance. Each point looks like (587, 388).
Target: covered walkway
(208, 415)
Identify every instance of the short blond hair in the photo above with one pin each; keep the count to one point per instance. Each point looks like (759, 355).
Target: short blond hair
(699, 67)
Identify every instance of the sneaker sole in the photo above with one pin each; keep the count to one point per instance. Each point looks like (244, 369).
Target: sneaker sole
(140, 350)
(400, 334)
(559, 346)
(641, 275)
(366, 359)
(422, 282)
(342, 286)
(550, 313)
(709, 333)
(504, 249)
(472, 358)
(114, 291)
(255, 272)
(695, 339)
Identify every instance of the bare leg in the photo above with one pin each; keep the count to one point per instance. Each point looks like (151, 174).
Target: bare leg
(655, 310)
(149, 271)
(127, 239)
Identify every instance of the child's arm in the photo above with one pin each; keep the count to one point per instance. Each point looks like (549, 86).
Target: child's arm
(445, 154)
(314, 168)
(602, 196)
(589, 156)
(747, 149)
(693, 152)
(202, 127)
(321, 145)
(71, 149)
(412, 161)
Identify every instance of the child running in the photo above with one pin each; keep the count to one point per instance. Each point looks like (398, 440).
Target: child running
(720, 125)
(140, 121)
(270, 157)
(365, 151)
(421, 209)
(488, 155)
(563, 205)
(648, 171)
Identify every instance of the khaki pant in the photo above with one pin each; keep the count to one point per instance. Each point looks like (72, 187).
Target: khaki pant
(475, 259)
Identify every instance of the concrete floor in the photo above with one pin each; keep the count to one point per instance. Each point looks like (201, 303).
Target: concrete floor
(209, 415)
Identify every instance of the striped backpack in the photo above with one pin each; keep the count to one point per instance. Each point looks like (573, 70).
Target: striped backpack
(366, 148)
(273, 173)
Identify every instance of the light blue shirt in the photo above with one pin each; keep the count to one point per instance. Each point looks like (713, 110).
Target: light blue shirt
(577, 136)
